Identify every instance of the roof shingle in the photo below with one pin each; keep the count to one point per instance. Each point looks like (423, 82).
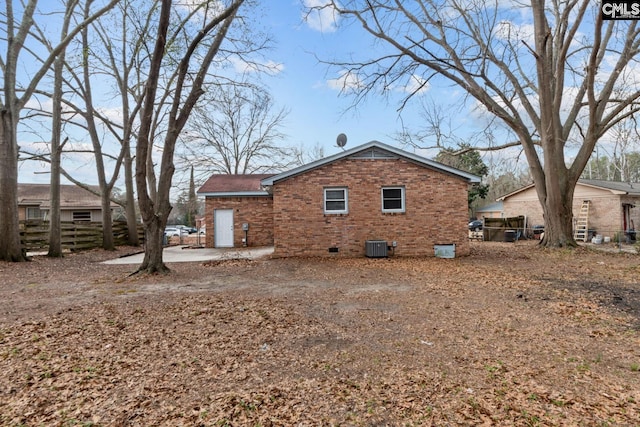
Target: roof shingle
(224, 183)
(71, 196)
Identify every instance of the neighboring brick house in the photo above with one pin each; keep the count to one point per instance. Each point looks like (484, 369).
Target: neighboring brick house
(332, 206)
(76, 203)
(614, 206)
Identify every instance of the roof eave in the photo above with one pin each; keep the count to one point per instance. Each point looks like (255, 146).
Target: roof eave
(234, 194)
(602, 187)
(501, 199)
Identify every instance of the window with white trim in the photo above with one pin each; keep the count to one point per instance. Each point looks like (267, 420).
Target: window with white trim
(34, 213)
(81, 216)
(392, 199)
(336, 200)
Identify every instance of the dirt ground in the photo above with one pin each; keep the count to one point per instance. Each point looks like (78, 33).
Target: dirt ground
(511, 335)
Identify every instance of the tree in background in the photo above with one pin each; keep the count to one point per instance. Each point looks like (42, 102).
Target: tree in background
(101, 60)
(16, 33)
(505, 182)
(555, 75)
(187, 205)
(470, 161)
(235, 129)
(625, 168)
(617, 159)
(55, 227)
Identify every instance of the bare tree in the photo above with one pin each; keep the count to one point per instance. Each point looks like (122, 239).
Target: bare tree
(154, 202)
(235, 130)
(14, 97)
(55, 232)
(89, 114)
(620, 149)
(553, 72)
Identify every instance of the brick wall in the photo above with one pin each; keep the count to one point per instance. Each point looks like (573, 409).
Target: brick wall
(256, 211)
(529, 208)
(605, 214)
(435, 210)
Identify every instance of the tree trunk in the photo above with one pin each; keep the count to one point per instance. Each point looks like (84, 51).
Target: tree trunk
(55, 238)
(105, 187)
(55, 232)
(153, 234)
(130, 207)
(154, 201)
(558, 219)
(10, 245)
(107, 220)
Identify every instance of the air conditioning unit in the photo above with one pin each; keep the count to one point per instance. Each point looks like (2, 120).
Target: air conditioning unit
(376, 248)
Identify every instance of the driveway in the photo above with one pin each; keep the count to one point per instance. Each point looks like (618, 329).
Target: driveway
(187, 253)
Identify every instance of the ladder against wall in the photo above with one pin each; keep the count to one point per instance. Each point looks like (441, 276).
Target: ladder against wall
(581, 230)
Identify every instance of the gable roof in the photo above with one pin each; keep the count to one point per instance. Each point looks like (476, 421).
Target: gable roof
(373, 149)
(615, 187)
(71, 196)
(234, 185)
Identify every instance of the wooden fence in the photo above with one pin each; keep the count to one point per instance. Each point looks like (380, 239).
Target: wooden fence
(75, 235)
(494, 228)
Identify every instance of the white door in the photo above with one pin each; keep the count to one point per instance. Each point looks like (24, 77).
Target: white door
(223, 228)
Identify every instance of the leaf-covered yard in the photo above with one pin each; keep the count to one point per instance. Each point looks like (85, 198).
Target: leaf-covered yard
(511, 335)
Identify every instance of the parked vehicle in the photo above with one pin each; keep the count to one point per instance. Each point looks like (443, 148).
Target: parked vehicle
(175, 232)
(475, 225)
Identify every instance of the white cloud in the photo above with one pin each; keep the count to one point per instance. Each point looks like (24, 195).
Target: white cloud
(345, 82)
(212, 9)
(113, 114)
(515, 33)
(270, 67)
(416, 84)
(36, 103)
(320, 15)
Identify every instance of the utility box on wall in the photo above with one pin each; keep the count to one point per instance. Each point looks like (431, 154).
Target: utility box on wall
(376, 248)
(445, 251)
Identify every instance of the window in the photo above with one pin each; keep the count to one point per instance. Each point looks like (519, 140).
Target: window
(335, 201)
(81, 216)
(393, 199)
(34, 213)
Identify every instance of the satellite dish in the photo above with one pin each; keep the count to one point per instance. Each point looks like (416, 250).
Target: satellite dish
(341, 140)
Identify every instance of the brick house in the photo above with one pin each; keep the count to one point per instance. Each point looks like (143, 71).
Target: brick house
(333, 206)
(613, 206)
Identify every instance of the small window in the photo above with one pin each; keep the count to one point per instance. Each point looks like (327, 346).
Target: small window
(393, 199)
(34, 213)
(335, 201)
(81, 216)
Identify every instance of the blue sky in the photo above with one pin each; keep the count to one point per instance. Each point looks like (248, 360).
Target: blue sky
(310, 89)
(305, 87)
